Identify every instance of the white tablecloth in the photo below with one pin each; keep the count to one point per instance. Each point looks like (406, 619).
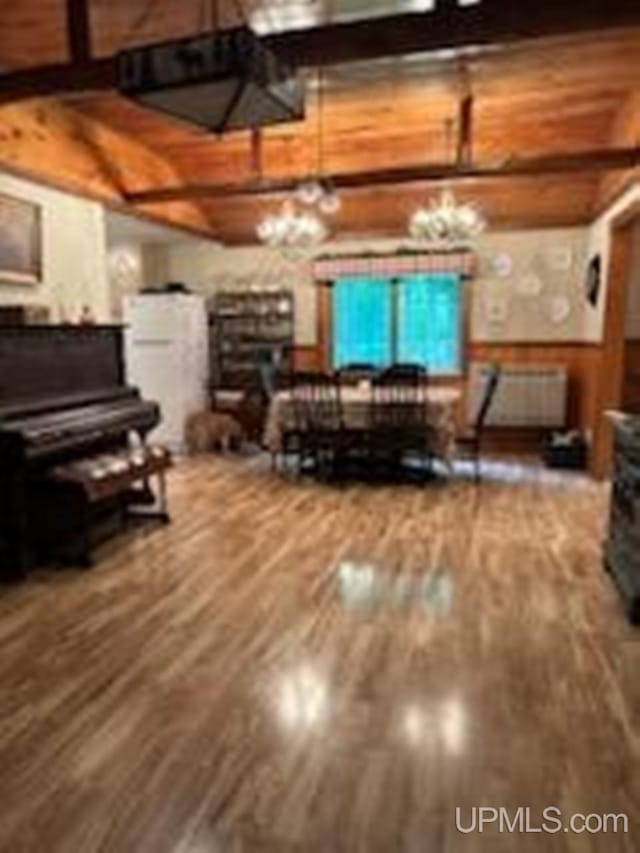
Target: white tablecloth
(440, 401)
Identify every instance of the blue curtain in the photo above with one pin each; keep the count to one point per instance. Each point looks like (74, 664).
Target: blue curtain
(429, 321)
(362, 321)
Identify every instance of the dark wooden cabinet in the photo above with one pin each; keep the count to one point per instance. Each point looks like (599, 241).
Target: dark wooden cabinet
(249, 329)
(622, 547)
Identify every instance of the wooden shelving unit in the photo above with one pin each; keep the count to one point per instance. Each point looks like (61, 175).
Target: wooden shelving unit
(249, 328)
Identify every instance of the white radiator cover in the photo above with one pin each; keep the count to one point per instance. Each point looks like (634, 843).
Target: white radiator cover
(527, 395)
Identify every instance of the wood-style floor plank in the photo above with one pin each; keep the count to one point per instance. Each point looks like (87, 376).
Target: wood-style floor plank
(299, 667)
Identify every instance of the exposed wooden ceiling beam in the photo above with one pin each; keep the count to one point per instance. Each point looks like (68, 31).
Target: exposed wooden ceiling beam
(548, 164)
(448, 26)
(96, 75)
(78, 30)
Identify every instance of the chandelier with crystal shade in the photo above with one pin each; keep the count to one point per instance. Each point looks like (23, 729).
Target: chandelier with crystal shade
(296, 233)
(445, 222)
(299, 226)
(319, 193)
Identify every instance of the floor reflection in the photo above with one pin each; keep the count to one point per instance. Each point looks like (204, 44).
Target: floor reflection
(302, 699)
(444, 725)
(363, 585)
(520, 471)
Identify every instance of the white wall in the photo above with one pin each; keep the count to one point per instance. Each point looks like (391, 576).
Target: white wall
(74, 254)
(528, 316)
(208, 268)
(543, 297)
(599, 242)
(126, 274)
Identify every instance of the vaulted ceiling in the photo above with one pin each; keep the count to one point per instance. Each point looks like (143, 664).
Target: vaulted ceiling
(548, 96)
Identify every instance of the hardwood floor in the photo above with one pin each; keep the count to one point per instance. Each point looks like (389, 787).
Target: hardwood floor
(295, 667)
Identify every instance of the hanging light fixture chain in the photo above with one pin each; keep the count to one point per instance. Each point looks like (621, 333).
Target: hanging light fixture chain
(320, 158)
(138, 23)
(240, 12)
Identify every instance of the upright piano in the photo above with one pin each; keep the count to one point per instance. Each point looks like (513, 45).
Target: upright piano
(62, 396)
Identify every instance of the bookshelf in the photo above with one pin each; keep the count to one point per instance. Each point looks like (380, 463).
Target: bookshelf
(249, 328)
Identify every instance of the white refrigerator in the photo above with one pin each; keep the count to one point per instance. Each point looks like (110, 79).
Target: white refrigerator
(167, 358)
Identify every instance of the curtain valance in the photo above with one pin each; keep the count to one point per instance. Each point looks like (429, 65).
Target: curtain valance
(330, 268)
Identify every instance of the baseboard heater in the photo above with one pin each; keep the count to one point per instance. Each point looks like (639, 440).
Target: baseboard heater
(532, 396)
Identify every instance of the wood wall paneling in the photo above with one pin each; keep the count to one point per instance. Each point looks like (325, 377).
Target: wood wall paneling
(308, 359)
(631, 386)
(581, 360)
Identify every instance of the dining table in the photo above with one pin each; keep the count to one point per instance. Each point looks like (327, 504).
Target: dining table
(441, 402)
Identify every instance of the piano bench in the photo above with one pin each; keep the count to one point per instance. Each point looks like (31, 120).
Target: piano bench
(115, 476)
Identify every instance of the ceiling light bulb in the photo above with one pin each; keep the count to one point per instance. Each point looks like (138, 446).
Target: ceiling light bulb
(294, 232)
(309, 193)
(330, 203)
(445, 221)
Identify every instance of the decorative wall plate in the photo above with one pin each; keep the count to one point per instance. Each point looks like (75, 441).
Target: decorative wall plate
(496, 309)
(560, 259)
(530, 285)
(502, 264)
(559, 310)
(125, 266)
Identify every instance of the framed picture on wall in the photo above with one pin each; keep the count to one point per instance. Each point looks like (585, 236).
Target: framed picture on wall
(20, 241)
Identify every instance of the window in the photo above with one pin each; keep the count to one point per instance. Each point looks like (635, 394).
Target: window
(362, 313)
(413, 318)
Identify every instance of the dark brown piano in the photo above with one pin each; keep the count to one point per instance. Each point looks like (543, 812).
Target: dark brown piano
(62, 396)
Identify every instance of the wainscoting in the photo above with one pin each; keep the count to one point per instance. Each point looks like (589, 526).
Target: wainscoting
(631, 387)
(582, 361)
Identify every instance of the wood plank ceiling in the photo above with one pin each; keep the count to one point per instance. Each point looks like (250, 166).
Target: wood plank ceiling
(560, 94)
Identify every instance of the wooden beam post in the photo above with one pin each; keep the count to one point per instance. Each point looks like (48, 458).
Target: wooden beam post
(465, 132)
(256, 153)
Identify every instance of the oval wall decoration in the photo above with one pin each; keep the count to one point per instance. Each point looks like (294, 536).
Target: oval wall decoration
(496, 309)
(559, 310)
(502, 264)
(560, 259)
(530, 285)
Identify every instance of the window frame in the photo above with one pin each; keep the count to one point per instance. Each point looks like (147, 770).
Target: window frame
(325, 328)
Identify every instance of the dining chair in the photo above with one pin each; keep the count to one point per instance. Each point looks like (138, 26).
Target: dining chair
(267, 378)
(319, 421)
(295, 434)
(352, 374)
(399, 417)
(407, 373)
(470, 442)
